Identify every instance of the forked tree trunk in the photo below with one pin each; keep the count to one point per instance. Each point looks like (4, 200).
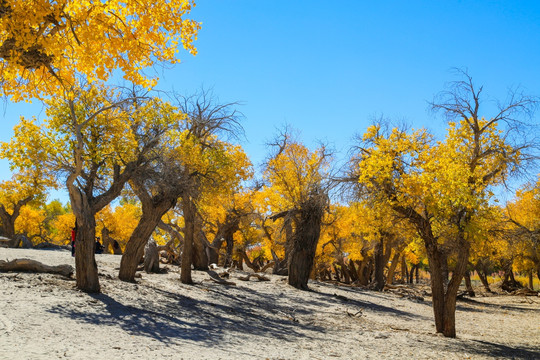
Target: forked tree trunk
(151, 216)
(305, 241)
(444, 300)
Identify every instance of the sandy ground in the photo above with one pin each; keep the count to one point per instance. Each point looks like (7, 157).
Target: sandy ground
(43, 316)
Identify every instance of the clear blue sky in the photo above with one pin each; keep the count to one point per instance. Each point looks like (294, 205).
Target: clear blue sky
(329, 67)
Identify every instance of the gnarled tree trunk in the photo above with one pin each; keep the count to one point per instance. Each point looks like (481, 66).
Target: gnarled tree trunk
(85, 263)
(304, 242)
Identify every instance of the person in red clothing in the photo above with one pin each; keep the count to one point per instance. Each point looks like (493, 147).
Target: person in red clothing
(73, 237)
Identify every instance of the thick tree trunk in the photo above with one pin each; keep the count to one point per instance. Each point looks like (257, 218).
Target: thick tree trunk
(189, 233)
(444, 300)
(304, 242)
(134, 250)
(379, 266)
(85, 262)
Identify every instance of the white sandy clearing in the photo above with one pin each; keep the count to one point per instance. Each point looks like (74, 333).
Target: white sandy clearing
(43, 316)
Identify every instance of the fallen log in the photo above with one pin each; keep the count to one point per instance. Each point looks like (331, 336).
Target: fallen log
(258, 276)
(214, 276)
(28, 265)
(525, 292)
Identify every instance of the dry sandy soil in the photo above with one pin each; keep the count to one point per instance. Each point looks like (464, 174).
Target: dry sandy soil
(42, 316)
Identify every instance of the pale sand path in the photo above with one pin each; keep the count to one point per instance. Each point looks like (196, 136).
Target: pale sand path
(42, 316)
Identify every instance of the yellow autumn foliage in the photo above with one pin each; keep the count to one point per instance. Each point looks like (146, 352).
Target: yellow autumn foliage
(46, 45)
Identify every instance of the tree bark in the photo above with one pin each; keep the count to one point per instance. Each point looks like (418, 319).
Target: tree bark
(305, 241)
(134, 250)
(444, 300)
(85, 262)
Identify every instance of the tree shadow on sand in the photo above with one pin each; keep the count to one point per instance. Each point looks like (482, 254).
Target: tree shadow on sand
(494, 350)
(178, 318)
(489, 307)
